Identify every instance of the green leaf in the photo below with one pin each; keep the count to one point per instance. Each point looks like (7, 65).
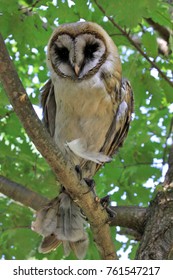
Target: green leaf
(11, 8)
(167, 89)
(150, 44)
(129, 13)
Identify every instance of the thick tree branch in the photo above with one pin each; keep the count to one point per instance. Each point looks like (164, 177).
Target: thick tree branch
(132, 217)
(44, 143)
(21, 194)
(133, 43)
(157, 238)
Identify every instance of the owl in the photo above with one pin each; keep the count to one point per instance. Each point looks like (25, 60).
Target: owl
(87, 108)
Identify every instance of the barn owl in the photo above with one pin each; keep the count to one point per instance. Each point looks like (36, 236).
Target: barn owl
(87, 108)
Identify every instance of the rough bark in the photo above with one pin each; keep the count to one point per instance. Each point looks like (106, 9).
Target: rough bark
(157, 239)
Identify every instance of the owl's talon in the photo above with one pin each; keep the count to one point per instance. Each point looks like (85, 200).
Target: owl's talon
(111, 213)
(105, 203)
(79, 171)
(91, 185)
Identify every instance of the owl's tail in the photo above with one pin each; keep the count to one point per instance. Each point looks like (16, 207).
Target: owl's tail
(61, 221)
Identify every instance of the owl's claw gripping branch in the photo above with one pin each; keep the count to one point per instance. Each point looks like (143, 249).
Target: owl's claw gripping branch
(91, 184)
(105, 201)
(79, 171)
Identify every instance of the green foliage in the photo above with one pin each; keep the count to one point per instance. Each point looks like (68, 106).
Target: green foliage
(137, 168)
(129, 13)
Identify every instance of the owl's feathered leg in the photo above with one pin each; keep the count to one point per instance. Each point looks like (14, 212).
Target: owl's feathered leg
(61, 221)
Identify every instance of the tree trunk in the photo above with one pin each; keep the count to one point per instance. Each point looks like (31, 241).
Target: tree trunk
(157, 240)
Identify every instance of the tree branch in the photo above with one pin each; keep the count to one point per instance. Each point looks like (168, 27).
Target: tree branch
(131, 217)
(22, 194)
(133, 43)
(64, 171)
(157, 239)
(162, 30)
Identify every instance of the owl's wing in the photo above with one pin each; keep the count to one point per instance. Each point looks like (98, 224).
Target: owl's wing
(120, 124)
(49, 106)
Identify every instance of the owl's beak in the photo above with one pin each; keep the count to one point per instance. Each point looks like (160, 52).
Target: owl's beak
(76, 69)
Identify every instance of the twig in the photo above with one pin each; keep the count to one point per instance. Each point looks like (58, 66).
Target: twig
(44, 143)
(30, 8)
(127, 35)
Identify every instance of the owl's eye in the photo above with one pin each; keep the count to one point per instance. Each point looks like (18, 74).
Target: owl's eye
(90, 49)
(62, 53)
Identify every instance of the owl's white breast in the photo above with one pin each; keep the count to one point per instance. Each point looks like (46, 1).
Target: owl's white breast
(84, 111)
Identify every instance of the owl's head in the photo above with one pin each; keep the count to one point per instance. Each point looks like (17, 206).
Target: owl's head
(78, 50)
